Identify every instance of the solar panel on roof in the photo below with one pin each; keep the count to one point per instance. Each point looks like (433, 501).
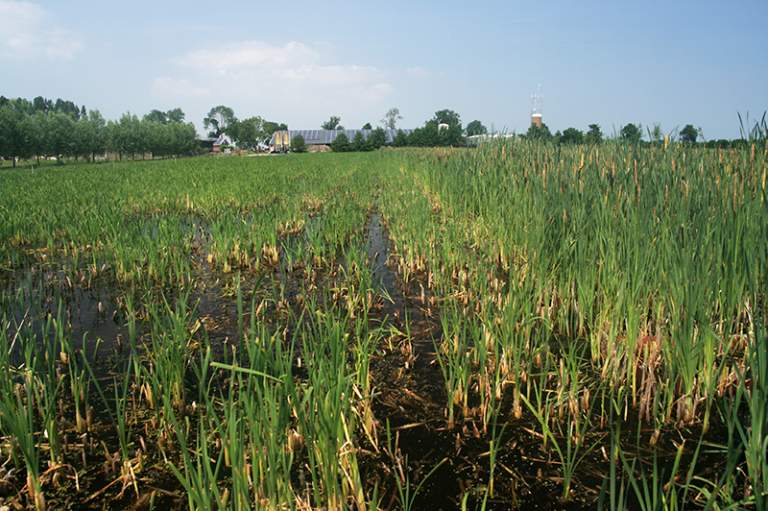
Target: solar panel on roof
(326, 137)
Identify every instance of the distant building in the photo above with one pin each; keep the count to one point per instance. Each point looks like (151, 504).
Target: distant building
(475, 140)
(206, 144)
(223, 140)
(281, 140)
(536, 110)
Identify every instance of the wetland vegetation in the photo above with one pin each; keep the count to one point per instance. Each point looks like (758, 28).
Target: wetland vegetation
(521, 325)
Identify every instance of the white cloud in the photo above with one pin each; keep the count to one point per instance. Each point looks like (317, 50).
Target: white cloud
(293, 82)
(249, 54)
(29, 33)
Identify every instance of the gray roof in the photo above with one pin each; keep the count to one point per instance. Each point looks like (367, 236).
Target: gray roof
(223, 139)
(326, 137)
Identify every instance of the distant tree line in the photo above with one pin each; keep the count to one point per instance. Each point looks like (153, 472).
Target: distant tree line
(633, 134)
(593, 135)
(376, 139)
(60, 129)
(443, 129)
(46, 128)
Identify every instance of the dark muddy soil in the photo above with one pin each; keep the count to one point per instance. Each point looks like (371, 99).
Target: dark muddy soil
(409, 397)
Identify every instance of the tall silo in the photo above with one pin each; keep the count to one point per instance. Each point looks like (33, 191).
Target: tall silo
(536, 112)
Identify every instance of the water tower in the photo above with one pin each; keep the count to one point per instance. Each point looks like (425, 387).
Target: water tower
(536, 114)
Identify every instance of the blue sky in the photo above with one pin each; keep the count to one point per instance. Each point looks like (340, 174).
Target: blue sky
(300, 62)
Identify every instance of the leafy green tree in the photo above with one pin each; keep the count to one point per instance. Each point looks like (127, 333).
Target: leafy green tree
(377, 138)
(334, 123)
(112, 134)
(432, 135)
(401, 139)
(594, 134)
(452, 136)
(249, 132)
(156, 116)
(170, 139)
(391, 117)
(269, 127)
(536, 132)
(175, 115)
(233, 130)
(426, 136)
(572, 136)
(97, 140)
(341, 143)
(219, 118)
(40, 104)
(297, 144)
(448, 117)
(631, 133)
(417, 137)
(689, 134)
(184, 137)
(90, 135)
(130, 136)
(33, 131)
(116, 138)
(11, 145)
(66, 107)
(23, 106)
(62, 129)
(367, 126)
(80, 134)
(157, 138)
(60, 140)
(476, 128)
(358, 142)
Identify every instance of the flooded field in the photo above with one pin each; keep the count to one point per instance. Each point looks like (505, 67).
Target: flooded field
(517, 326)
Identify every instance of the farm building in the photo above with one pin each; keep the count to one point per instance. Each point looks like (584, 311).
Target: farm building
(224, 140)
(206, 143)
(474, 140)
(281, 140)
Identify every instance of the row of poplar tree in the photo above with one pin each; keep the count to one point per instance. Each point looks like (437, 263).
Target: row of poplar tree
(43, 128)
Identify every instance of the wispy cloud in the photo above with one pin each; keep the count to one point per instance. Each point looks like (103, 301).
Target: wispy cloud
(248, 55)
(294, 79)
(28, 33)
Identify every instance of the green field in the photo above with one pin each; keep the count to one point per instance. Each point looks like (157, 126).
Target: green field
(520, 325)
